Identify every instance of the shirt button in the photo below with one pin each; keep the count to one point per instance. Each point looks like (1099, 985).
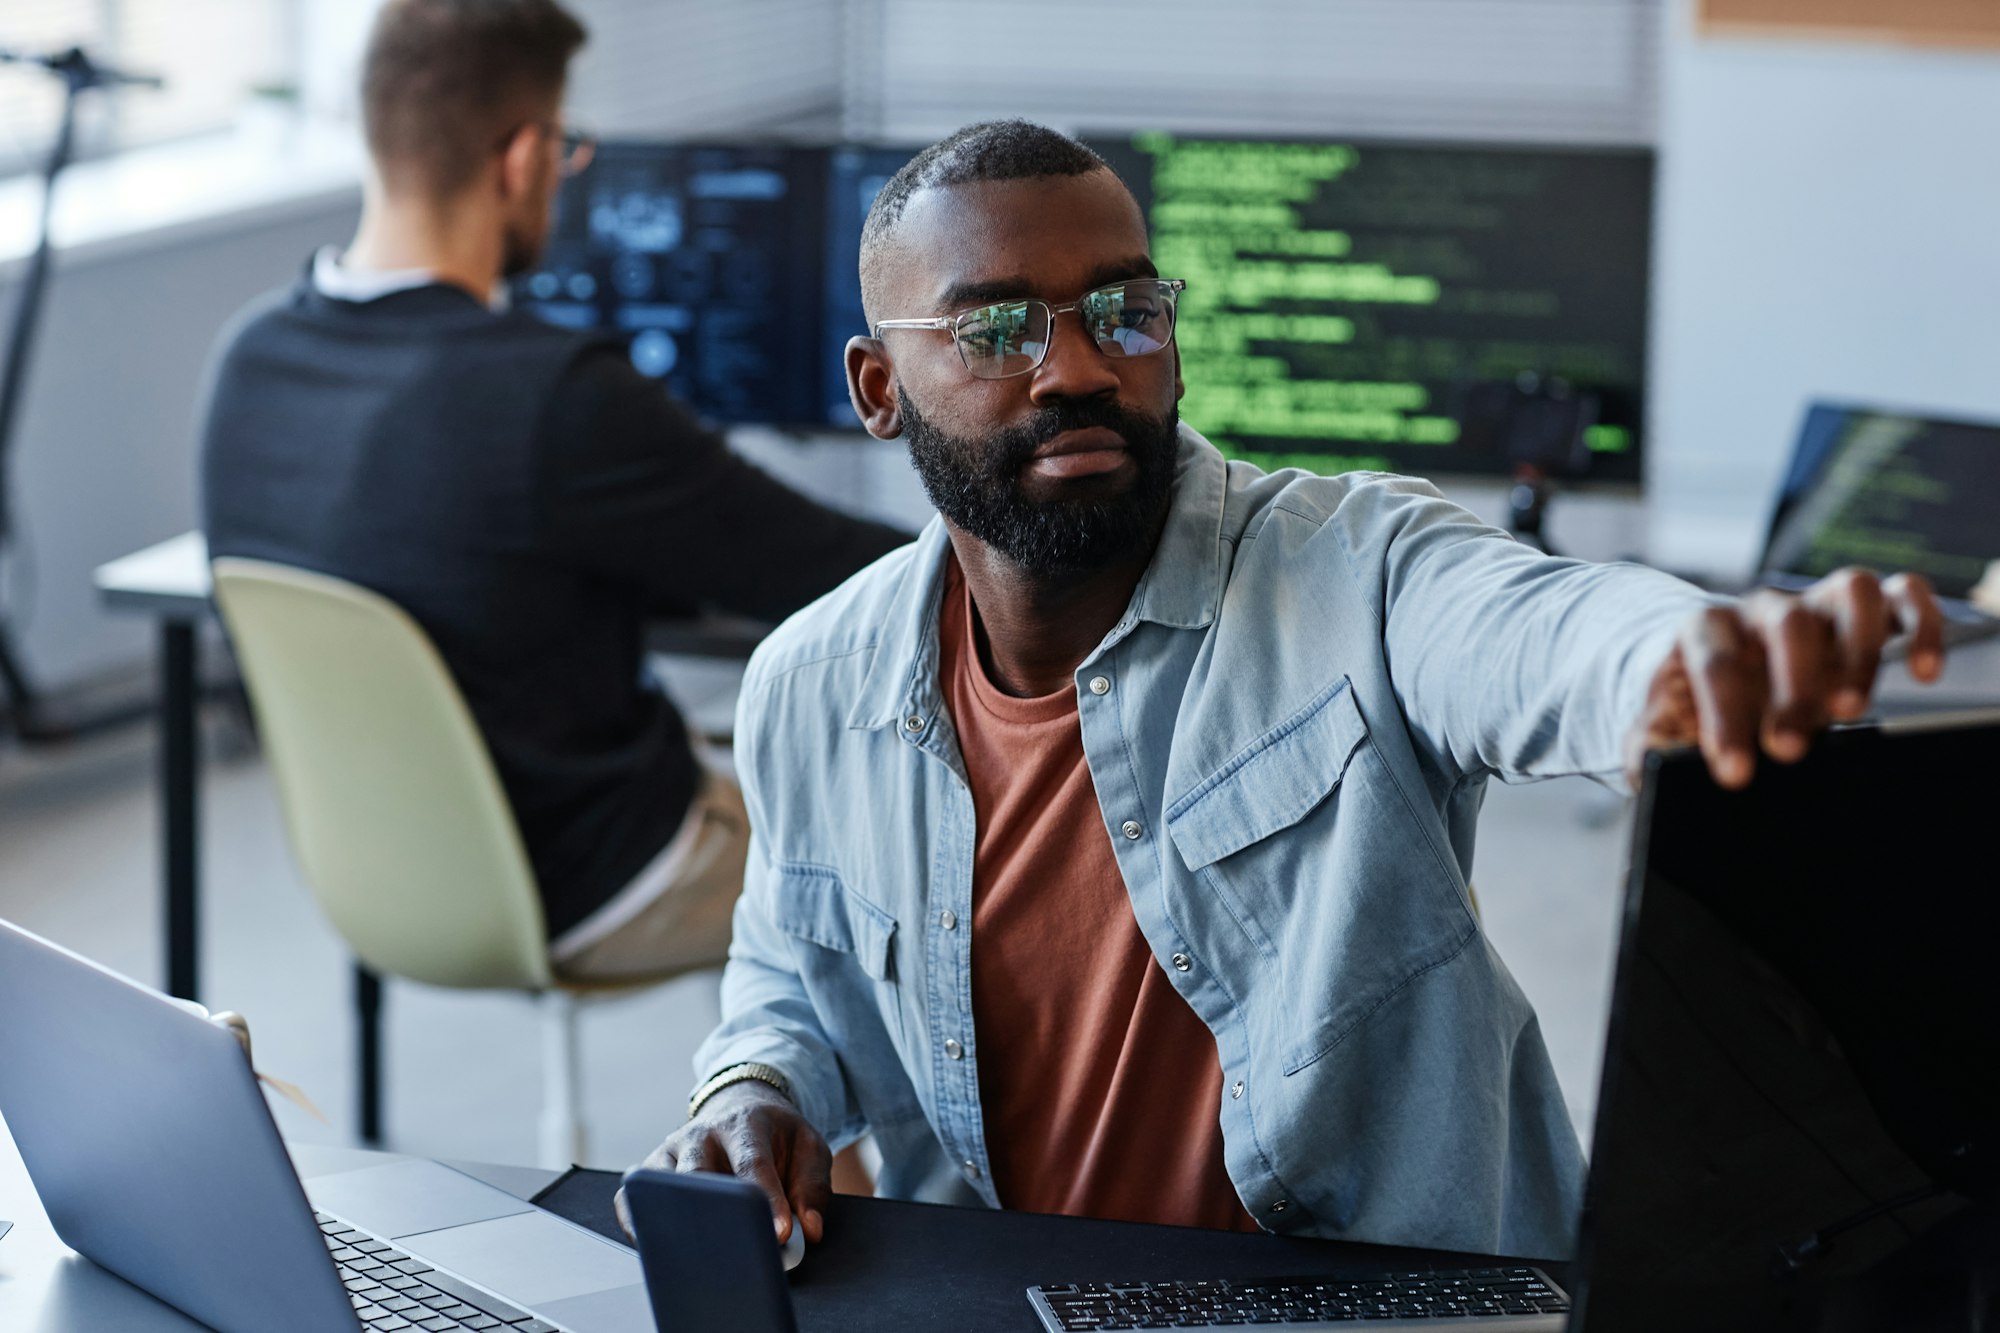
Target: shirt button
(1099, 685)
(913, 723)
(953, 1050)
(1279, 1206)
(1237, 1091)
(1130, 828)
(972, 1168)
(947, 918)
(1183, 962)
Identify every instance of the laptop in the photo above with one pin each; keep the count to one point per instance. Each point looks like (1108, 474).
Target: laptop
(1799, 1120)
(1893, 491)
(149, 1141)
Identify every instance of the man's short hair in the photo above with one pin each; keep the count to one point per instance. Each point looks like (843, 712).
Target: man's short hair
(993, 150)
(446, 81)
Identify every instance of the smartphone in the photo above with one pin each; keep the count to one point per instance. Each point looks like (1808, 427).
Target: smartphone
(711, 1260)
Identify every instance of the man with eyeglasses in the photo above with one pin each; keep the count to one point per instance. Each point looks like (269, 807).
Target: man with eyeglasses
(522, 491)
(1110, 844)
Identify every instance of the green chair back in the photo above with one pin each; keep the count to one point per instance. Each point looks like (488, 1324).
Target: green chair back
(396, 815)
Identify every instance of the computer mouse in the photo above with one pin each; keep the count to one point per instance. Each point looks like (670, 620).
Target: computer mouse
(795, 1248)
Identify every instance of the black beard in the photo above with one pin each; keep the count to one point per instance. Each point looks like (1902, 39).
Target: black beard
(976, 485)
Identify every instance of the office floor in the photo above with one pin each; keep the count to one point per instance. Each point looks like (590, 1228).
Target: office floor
(78, 833)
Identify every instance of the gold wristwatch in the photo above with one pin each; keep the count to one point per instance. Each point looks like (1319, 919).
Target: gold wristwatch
(735, 1074)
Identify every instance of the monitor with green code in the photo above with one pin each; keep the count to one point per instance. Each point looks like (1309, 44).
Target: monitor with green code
(1420, 308)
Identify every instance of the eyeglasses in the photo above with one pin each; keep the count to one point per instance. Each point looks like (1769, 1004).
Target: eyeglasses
(574, 148)
(1124, 319)
(577, 149)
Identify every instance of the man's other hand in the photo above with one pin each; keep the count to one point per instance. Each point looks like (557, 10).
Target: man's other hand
(1776, 668)
(752, 1131)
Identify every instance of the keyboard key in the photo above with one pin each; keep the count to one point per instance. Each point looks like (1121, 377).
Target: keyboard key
(505, 1312)
(534, 1326)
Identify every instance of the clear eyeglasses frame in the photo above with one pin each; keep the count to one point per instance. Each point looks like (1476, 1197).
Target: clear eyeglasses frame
(1007, 338)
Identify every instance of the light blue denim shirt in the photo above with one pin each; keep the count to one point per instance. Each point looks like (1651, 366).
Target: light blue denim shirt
(1290, 732)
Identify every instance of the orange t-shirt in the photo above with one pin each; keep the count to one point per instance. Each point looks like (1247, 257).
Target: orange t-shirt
(1101, 1087)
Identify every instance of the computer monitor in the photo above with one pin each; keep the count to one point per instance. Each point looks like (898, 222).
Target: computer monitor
(709, 260)
(1891, 491)
(856, 173)
(1401, 307)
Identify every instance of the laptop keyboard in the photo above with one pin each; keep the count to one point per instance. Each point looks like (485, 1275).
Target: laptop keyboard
(393, 1292)
(1430, 1297)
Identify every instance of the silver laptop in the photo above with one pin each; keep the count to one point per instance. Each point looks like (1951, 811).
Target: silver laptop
(1892, 490)
(148, 1139)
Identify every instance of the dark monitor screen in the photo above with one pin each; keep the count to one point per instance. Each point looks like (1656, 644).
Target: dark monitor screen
(1420, 309)
(708, 259)
(1799, 1126)
(1889, 491)
(856, 174)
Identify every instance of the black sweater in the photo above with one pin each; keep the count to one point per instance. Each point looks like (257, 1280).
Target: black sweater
(531, 500)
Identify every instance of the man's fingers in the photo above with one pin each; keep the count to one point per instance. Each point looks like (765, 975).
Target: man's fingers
(1727, 677)
(809, 1180)
(1855, 601)
(750, 1153)
(624, 1212)
(1799, 652)
(1917, 615)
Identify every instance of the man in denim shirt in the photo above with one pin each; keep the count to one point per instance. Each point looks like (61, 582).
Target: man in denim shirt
(1110, 843)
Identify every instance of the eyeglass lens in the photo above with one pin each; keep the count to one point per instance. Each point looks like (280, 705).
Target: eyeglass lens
(1012, 337)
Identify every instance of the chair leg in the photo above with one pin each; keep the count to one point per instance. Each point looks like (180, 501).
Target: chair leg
(368, 1050)
(562, 1138)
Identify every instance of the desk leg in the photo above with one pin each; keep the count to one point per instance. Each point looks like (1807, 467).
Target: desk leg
(179, 811)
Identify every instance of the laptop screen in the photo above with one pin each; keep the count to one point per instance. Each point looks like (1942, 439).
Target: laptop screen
(1889, 492)
(1799, 1126)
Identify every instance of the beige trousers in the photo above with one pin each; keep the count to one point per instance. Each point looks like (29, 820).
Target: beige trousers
(674, 915)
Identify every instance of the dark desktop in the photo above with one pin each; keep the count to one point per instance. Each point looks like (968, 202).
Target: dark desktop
(707, 258)
(1399, 307)
(1405, 307)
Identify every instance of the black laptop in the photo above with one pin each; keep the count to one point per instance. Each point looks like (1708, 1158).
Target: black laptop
(1893, 491)
(1799, 1123)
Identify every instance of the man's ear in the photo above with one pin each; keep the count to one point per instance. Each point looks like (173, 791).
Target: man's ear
(1180, 385)
(522, 161)
(871, 387)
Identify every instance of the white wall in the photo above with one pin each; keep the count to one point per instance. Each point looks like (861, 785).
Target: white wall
(104, 461)
(1829, 224)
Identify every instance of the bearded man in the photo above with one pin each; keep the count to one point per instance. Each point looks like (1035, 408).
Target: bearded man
(1110, 844)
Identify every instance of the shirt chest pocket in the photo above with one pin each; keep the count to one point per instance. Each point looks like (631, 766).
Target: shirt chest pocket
(815, 907)
(1305, 839)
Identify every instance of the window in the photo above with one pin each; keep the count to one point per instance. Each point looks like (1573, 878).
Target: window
(212, 53)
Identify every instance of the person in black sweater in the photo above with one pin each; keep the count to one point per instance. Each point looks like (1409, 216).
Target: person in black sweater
(523, 492)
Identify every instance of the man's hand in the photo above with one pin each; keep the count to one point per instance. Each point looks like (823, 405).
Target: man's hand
(1777, 668)
(752, 1131)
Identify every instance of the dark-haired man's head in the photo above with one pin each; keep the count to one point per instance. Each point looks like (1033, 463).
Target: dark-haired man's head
(461, 102)
(1067, 467)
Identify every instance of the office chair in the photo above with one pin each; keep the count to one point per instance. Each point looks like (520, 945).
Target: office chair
(396, 815)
